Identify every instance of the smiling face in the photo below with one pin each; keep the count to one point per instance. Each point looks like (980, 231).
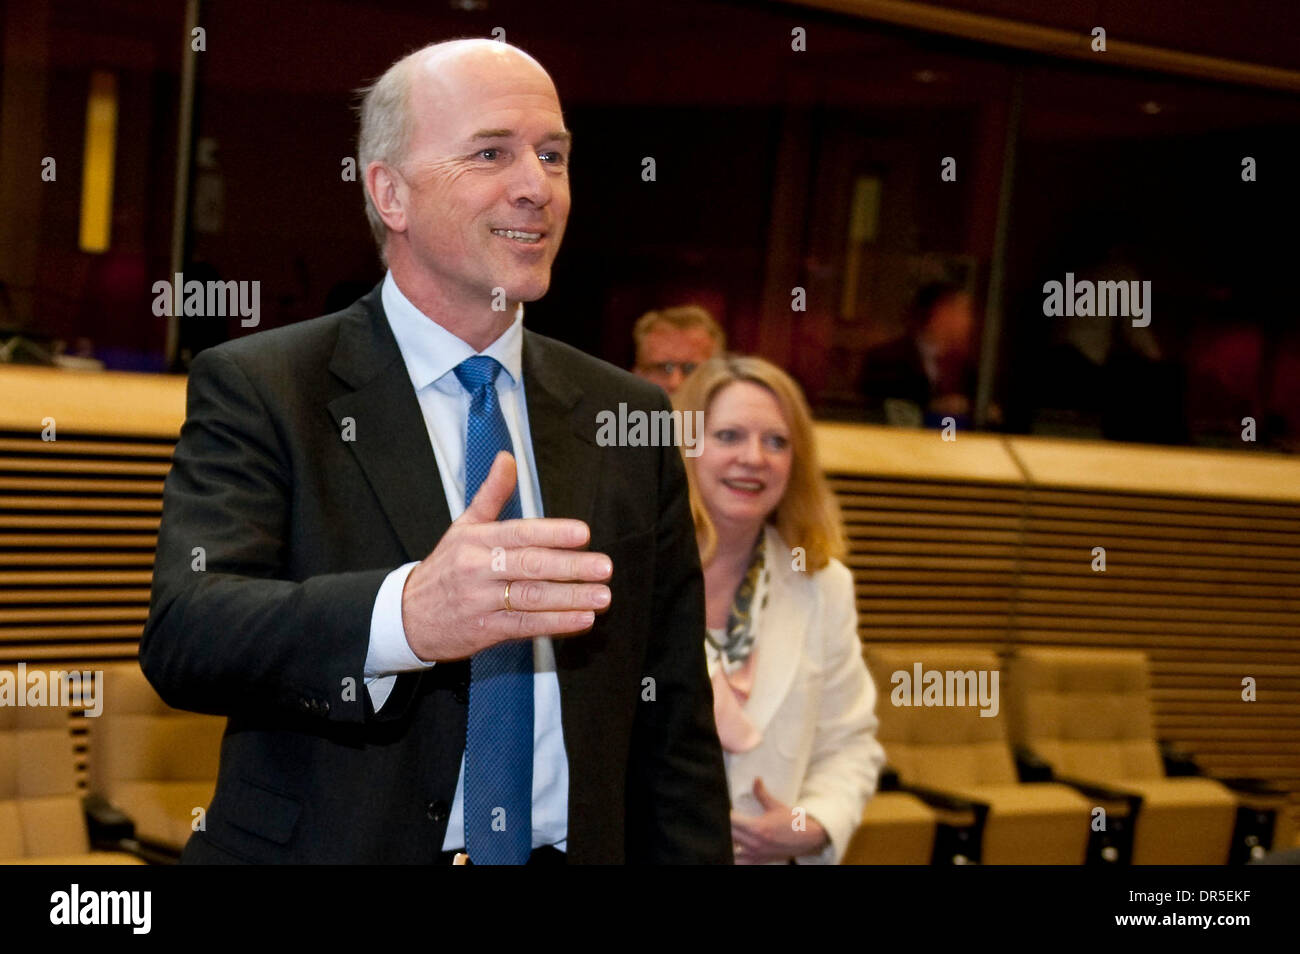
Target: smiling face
(745, 458)
(481, 198)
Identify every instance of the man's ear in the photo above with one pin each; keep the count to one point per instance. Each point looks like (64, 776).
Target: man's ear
(388, 192)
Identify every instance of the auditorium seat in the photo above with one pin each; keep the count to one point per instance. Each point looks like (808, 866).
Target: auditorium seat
(956, 751)
(896, 829)
(41, 821)
(1087, 713)
(154, 763)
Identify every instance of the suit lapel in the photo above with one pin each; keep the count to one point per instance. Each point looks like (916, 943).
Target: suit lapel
(392, 443)
(567, 469)
(783, 630)
(563, 449)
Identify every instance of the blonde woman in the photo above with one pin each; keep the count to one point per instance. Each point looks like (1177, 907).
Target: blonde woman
(794, 704)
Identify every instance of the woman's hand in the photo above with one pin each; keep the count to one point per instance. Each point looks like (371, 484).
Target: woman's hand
(772, 836)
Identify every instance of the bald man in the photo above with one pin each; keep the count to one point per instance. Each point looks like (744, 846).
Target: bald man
(443, 620)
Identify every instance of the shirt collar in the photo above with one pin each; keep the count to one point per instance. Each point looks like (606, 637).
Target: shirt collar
(929, 357)
(431, 352)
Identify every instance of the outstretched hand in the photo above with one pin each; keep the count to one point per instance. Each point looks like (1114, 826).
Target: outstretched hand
(453, 604)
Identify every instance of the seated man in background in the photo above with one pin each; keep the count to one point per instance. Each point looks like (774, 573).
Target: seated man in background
(929, 372)
(670, 343)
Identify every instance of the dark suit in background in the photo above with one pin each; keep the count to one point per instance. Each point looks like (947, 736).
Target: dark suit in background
(894, 370)
(299, 527)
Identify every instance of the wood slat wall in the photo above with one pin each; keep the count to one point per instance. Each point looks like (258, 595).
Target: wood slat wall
(79, 514)
(990, 542)
(985, 541)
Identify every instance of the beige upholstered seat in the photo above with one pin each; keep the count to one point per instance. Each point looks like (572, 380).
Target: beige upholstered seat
(155, 763)
(896, 829)
(1087, 713)
(41, 819)
(956, 750)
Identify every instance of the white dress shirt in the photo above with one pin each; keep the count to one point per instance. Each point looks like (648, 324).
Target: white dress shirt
(431, 354)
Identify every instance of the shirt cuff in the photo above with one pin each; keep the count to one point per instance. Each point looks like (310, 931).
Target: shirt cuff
(388, 652)
(836, 837)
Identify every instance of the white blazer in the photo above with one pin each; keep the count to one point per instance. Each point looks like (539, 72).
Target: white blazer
(813, 700)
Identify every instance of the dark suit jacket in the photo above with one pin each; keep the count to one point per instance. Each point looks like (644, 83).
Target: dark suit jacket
(298, 527)
(894, 369)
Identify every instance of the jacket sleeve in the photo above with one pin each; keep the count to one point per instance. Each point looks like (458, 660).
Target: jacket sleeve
(679, 809)
(846, 758)
(227, 631)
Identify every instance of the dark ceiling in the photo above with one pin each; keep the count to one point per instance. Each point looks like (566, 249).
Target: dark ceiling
(1254, 31)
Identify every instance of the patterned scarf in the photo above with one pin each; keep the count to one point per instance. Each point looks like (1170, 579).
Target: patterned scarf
(738, 639)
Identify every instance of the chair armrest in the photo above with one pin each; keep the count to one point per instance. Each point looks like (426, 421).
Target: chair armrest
(1116, 802)
(955, 811)
(1256, 791)
(1179, 763)
(888, 781)
(1031, 768)
(1112, 842)
(105, 821)
(1251, 786)
(1255, 794)
(111, 829)
(959, 834)
(156, 852)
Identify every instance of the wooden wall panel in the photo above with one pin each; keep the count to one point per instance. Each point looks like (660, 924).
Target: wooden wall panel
(76, 552)
(79, 514)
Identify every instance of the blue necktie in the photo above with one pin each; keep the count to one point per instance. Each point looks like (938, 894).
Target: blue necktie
(499, 737)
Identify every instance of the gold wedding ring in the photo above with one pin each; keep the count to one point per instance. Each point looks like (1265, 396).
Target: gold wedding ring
(508, 609)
